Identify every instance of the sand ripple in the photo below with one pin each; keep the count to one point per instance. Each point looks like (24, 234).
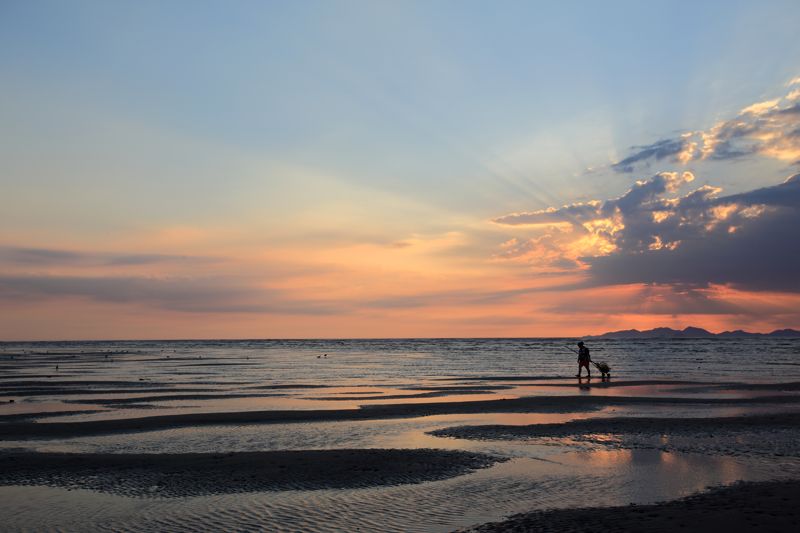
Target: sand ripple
(182, 475)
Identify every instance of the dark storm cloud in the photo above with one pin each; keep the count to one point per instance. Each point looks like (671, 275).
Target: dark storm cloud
(787, 194)
(746, 240)
(761, 255)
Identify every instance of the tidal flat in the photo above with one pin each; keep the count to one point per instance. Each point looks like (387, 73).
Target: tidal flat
(351, 436)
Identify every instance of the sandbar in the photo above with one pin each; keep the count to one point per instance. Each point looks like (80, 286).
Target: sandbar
(739, 508)
(620, 425)
(169, 475)
(537, 404)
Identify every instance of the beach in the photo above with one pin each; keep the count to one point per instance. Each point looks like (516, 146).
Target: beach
(768, 506)
(338, 435)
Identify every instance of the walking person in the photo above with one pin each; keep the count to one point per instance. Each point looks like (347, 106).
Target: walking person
(584, 359)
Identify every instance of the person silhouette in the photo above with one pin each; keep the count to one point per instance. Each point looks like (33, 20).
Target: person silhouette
(583, 360)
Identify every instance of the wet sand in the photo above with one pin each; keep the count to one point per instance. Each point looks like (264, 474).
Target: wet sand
(537, 404)
(639, 425)
(625, 440)
(48, 414)
(433, 394)
(11, 392)
(167, 398)
(743, 507)
(183, 475)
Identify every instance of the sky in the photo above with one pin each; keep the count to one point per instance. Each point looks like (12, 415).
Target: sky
(343, 169)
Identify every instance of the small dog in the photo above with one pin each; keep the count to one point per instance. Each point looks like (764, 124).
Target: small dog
(605, 370)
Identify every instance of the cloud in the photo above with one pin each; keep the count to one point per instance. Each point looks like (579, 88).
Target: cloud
(769, 129)
(600, 227)
(760, 254)
(675, 300)
(449, 298)
(651, 235)
(550, 215)
(546, 249)
(761, 107)
(48, 257)
(667, 148)
(196, 295)
(226, 295)
(653, 299)
(643, 191)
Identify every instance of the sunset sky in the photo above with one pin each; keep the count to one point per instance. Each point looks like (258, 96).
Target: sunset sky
(307, 169)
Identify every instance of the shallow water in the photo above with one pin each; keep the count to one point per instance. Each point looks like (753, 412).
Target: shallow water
(140, 379)
(203, 376)
(411, 360)
(567, 479)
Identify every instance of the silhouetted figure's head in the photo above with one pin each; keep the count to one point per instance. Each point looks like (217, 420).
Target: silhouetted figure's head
(580, 343)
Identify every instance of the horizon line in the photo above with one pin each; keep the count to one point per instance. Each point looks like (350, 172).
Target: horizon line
(244, 339)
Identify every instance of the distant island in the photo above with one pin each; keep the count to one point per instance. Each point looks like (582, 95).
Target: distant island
(690, 333)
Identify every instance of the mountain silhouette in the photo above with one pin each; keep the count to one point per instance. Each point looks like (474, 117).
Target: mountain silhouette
(691, 333)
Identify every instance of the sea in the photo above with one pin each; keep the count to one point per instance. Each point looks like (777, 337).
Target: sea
(80, 381)
(393, 360)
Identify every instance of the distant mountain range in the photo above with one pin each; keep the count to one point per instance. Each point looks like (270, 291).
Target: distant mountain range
(690, 333)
